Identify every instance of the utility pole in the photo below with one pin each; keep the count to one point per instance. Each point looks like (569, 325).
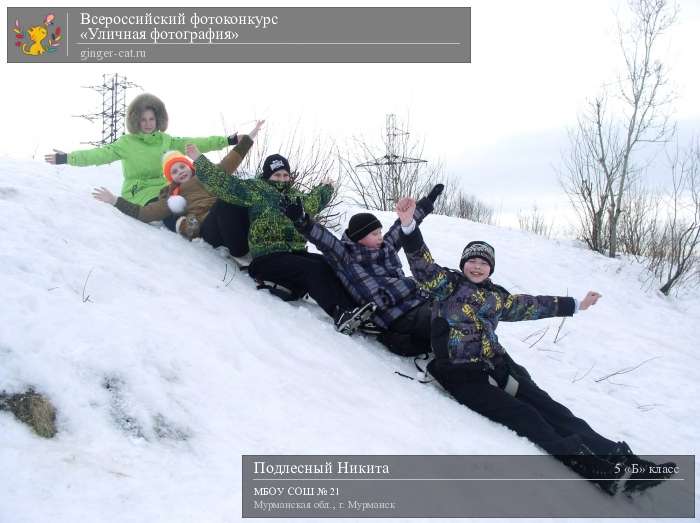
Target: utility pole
(392, 161)
(113, 113)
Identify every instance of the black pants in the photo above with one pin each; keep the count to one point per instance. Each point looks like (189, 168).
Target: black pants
(531, 412)
(409, 334)
(303, 272)
(227, 225)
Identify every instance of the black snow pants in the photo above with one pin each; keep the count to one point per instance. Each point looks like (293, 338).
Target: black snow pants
(531, 413)
(227, 225)
(303, 272)
(409, 334)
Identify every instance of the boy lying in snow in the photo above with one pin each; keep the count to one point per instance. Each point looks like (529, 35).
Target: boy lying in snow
(278, 251)
(368, 265)
(472, 366)
(200, 213)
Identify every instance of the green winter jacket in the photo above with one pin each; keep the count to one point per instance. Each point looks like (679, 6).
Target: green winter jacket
(141, 155)
(270, 230)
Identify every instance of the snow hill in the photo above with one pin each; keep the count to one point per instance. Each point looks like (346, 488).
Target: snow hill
(166, 365)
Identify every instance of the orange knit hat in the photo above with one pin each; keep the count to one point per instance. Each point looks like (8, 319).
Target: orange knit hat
(171, 158)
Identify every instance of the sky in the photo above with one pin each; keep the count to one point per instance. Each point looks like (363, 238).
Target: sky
(498, 124)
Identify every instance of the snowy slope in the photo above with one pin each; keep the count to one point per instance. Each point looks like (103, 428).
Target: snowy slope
(200, 368)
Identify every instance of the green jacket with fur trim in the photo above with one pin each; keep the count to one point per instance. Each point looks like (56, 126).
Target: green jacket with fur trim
(141, 156)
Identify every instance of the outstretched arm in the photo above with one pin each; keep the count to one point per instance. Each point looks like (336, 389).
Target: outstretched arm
(232, 161)
(422, 208)
(204, 144)
(317, 199)
(430, 276)
(520, 307)
(97, 156)
(227, 188)
(152, 212)
(326, 242)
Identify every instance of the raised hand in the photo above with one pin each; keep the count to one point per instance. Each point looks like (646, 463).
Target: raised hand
(255, 130)
(192, 151)
(104, 195)
(294, 210)
(328, 181)
(405, 208)
(435, 192)
(591, 298)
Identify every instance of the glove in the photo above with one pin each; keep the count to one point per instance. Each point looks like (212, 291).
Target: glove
(427, 202)
(294, 210)
(233, 139)
(61, 158)
(435, 192)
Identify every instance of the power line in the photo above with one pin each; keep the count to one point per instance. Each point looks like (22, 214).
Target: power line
(113, 113)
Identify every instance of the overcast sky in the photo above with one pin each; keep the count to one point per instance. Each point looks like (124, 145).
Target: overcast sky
(498, 124)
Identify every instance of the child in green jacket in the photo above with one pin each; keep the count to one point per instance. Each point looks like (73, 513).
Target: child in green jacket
(141, 150)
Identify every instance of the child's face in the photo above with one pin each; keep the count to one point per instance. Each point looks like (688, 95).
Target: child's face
(180, 172)
(147, 123)
(373, 240)
(476, 270)
(280, 176)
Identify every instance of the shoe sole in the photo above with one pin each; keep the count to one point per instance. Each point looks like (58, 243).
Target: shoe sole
(352, 324)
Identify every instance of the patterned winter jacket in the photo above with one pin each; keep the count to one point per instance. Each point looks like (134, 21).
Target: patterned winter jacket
(373, 274)
(199, 200)
(471, 310)
(270, 230)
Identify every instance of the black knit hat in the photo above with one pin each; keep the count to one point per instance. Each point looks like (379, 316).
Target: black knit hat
(479, 249)
(361, 225)
(274, 163)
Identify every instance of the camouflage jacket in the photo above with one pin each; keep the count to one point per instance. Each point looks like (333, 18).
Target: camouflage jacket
(270, 230)
(471, 310)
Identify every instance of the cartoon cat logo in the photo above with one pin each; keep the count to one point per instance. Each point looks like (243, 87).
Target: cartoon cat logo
(36, 35)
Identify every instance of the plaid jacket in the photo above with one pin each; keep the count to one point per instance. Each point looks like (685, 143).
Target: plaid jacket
(372, 274)
(472, 310)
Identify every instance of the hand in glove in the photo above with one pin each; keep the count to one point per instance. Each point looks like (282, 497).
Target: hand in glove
(435, 192)
(294, 210)
(57, 158)
(427, 202)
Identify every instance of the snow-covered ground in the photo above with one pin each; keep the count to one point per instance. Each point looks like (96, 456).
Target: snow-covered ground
(166, 365)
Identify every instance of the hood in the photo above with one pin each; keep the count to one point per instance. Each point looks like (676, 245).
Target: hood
(137, 106)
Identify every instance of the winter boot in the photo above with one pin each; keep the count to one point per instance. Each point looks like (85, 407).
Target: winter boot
(371, 328)
(595, 469)
(349, 321)
(641, 474)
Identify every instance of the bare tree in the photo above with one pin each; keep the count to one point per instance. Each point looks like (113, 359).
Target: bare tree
(535, 222)
(639, 223)
(312, 160)
(599, 167)
(673, 255)
(455, 202)
(378, 178)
